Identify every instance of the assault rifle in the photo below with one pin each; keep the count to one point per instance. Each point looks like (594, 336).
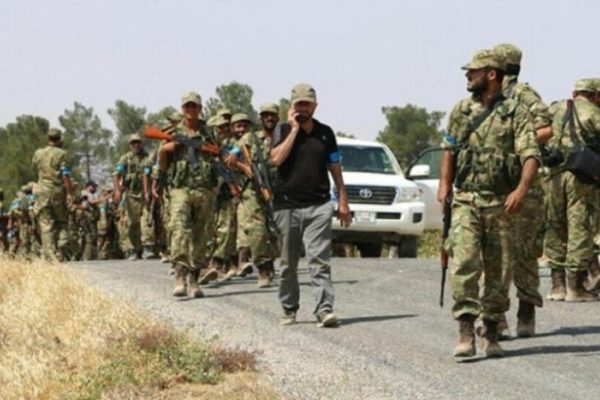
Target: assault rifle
(444, 254)
(260, 183)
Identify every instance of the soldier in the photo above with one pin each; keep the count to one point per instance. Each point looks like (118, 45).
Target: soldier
(129, 189)
(528, 229)
(572, 200)
(255, 235)
(3, 224)
(490, 137)
(54, 191)
(87, 215)
(224, 255)
(15, 221)
(107, 226)
(28, 236)
(225, 113)
(191, 181)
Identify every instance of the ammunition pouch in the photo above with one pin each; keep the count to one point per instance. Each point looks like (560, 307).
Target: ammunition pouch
(487, 170)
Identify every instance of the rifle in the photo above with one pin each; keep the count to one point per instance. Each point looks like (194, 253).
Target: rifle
(261, 185)
(444, 254)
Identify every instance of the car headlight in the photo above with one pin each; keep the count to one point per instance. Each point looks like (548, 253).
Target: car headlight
(409, 194)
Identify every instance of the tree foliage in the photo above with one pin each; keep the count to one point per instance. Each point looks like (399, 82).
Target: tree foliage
(19, 140)
(128, 119)
(410, 130)
(235, 96)
(87, 142)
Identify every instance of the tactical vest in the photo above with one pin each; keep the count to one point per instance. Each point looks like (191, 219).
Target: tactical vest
(182, 174)
(134, 171)
(486, 160)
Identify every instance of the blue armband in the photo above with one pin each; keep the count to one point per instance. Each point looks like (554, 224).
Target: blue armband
(334, 157)
(235, 150)
(147, 170)
(64, 171)
(120, 169)
(451, 140)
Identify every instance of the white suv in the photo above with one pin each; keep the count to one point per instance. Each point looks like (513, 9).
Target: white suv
(386, 207)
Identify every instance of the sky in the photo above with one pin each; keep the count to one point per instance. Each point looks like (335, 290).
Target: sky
(359, 55)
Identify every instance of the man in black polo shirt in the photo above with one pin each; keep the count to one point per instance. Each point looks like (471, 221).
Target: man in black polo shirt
(304, 150)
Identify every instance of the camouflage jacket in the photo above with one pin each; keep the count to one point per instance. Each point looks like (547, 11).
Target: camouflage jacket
(523, 93)
(587, 125)
(50, 163)
(132, 168)
(489, 158)
(182, 174)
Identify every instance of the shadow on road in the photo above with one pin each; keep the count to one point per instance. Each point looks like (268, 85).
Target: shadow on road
(565, 349)
(374, 318)
(572, 331)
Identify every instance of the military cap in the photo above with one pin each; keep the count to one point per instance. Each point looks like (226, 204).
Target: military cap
(240, 117)
(303, 92)
(191, 97)
(211, 121)
(175, 117)
(509, 53)
(219, 120)
(134, 137)
(24, 188)
(269, 108)
(224, 111)
(588, 85)
(91, 183)
(107, 189)
(485, 58)
(54, 133)
(30, 185)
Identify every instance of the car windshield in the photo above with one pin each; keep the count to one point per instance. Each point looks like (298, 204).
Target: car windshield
(366, 159)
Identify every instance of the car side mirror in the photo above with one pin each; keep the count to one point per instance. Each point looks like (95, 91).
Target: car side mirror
(419, 171)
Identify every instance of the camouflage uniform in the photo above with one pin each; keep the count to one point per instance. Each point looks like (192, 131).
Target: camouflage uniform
(51, 166)
(86, 219)
(191, 207)
(487, 169)
(107, 228)
(572, 206)
(528, 229)
(131, 168)
(3, 224)
(253, 231)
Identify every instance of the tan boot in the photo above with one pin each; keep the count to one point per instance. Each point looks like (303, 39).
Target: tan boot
(593, 279)
(489, 342)
(558, 290)
(209, 274)
(193, 289)
(181, 273)
(503, 329)
(576, 293)
(244, 264)
(525, 319)
(466, 339)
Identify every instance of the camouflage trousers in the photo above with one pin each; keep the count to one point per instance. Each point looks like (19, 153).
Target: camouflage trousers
(225, 230)
(527, 231)
(190, 211)
(51, 211)
(481, 244)
(135, 231)
(252, 230)
(571, 223)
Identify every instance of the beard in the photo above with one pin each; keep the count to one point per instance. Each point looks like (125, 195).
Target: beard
(302, 118)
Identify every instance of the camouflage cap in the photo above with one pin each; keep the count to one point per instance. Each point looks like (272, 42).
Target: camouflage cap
(211, 121)
(588, 85)
(224, 111)
(485, 58)
(509, 53)
(107, 189)
(23, 188)
(240, 117)
(269, 108)
(303, 92)
(175, 117)
(220, 120)
(134, 137)
(54, 133)
(191, 97)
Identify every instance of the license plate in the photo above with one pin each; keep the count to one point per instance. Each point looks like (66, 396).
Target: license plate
(364, 217)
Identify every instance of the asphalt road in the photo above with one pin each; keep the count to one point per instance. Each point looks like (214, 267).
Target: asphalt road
(394, 341)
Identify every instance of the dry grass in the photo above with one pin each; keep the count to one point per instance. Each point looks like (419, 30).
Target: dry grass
(430, 244)
(61, 339)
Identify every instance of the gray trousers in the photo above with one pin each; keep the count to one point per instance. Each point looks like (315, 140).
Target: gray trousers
(311, 226)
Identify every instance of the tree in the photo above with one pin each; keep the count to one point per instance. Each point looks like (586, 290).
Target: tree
(160, 117)
(20, 140)
(345, 135)
(284, 106)
(410, 130)
(235, 96)
(128, 119)
(87, 142)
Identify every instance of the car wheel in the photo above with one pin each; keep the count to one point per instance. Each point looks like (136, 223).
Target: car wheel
(408, 247)
(369, 250)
